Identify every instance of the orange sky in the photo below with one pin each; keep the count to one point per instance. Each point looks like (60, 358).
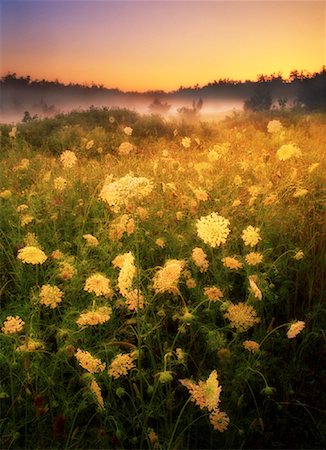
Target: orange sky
(141, 45)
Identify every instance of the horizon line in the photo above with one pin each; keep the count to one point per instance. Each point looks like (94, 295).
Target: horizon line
(90, 84)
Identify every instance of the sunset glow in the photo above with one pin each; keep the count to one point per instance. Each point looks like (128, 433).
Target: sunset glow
(160, 45)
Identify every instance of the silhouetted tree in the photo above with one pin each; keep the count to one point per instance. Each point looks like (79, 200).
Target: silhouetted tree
(157, 107)
(191, 114)
(261, 100)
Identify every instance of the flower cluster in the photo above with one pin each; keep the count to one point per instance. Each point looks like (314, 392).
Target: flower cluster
(231, 263)
(213, 293)
(68, 159)
(242, 316)
(206, 394)
(50, 296)
(99, 285)
(274, 126)
(166, 278)
(134, 300)
(91, 241)
(31, 255)
(254, 258)
(30, 345)
(96, 390)
(60, 184)
(288, 151)
(119, 192)
(95, 317)
(251, 346)
(66, 271)
(295, 329)
(120, 226)
(12, 325)
(89, 362)
(121, 364)
(125, 148)
(251, 236)
(213, 229)
(127, 273)
(199, 258)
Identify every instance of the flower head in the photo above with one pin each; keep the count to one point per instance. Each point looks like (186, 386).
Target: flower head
(274, 126)
(89, 362)
(91, 241)
(242, 316)
(250, 236)
(50, 296)
(99, 285)
(299, 255)
(121, 364)
(120, 192)
(95, 317)
(134, 300)
(30, 345)
(251, 346)
(295, 329)
(125, 148)
(31, 255)
(166, 279)
(213, 229)
(213, 293)
(186, 142)
(288, 151)
(12, 325)
(60, 184)
(66, 271)
(220, 420)
(206, 394)
(68, 159)
(96, 391)
(199, 258)
(254, 258)
(231, 263)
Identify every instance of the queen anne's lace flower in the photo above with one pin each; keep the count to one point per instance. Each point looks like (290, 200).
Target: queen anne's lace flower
(68, 159)
(166, 279)
(206, 394)
(295, 329)
(231, 263)
(242, 316)
(119, 192)
(251, 346)
(213, 229)
(95, 317)
(250, 236)
(199, 258)
(31, 255)
(121, 365)
(12, 325)
(220, 420)
(288, 151)
(50, 296)
(99, 285)
(89, 362)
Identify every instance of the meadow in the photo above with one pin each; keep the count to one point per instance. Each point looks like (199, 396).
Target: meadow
(163, 282)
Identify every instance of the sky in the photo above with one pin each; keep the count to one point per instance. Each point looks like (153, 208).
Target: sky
(147, 45)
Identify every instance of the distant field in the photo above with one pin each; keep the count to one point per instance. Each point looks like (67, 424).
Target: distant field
(163, 282)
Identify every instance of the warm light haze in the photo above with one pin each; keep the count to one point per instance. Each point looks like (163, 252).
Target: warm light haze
(146, 45)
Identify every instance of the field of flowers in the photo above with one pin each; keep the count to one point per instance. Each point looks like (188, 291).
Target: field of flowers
(162, 283)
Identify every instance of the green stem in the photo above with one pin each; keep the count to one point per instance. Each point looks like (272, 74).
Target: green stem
(176, 424)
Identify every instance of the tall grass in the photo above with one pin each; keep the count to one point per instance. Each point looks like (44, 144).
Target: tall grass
(274, 396)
